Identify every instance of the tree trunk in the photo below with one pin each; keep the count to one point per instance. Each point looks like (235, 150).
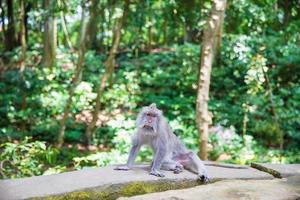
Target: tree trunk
(22, 35)
(85, 27)
(273, 107)
(150, 37)
(10, 36)
(219, 38)
(28, 8)
(101, 46)
(2, 17)
(95, 28)
(109, 65)
(165, 33)
(22, 57)
(65, 30)
(203, 116)
(188, 33)
(245, 119)
(50, 35)
(287, 7)
(67, 40)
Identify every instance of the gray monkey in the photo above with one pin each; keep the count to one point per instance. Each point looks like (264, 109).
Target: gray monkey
(169, 152)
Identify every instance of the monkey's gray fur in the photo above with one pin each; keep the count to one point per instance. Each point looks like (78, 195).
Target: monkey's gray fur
(169, 152)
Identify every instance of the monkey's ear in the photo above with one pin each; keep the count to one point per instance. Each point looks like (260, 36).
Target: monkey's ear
(152, 106)
(159, 112)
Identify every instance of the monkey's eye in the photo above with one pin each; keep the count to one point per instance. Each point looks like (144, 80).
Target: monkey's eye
(150, 115)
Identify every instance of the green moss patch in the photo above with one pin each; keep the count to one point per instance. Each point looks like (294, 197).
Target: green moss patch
(125, 190)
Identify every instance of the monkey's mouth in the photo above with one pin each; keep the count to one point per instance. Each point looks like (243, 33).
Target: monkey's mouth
(148, 127)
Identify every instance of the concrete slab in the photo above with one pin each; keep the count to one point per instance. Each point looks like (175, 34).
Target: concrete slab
(278, 170)
(106, 183)
(276, 189)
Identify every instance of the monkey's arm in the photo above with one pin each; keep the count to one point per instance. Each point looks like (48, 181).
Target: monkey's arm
(132, 155)
(158, 160)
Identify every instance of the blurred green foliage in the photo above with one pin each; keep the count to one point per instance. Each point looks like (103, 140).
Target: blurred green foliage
(26, 159)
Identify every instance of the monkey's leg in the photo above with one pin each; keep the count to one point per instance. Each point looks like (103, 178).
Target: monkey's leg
(199, 168)
(157, 162)
(132, 155)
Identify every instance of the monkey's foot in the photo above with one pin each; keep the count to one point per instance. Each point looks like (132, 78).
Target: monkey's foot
(203, 178)
(125, 168)
(178, 170)
(157, 173)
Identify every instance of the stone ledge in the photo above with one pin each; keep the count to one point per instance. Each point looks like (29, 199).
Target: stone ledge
(106, 183)
(275, 189)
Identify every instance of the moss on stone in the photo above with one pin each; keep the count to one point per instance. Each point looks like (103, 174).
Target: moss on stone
(82, 195)
(127, 190)
(138, 188)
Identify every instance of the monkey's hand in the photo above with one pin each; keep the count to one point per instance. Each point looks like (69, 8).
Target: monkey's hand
(124, 167)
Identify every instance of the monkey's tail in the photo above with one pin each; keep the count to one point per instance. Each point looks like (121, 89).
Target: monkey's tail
(226, 166)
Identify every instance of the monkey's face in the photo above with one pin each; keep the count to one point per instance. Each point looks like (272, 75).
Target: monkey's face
(150, 121)
(148, 118)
